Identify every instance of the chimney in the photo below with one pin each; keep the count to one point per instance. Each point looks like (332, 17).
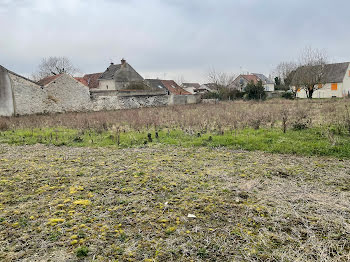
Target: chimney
(112, 63)
(123, 62)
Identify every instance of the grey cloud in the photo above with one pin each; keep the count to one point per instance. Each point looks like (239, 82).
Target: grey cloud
(170, 36)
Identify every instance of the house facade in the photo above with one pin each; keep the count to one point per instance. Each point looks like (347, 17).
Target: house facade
(335, 82)
(118, 77)
(243, 80)
(173, 88)
(191, 87)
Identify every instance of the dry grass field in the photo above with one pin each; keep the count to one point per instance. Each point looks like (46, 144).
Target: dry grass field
(70, 204)
(70, 192)
(201, 117)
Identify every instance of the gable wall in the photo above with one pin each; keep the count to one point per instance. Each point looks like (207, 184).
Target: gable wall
(68, 94)
(6, 96)
(29, 97)
(106, 85)
(346, 83)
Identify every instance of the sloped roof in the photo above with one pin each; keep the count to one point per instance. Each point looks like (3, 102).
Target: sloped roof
(251, 78)
(263, 78)
(5, 69)
(174, 88)
(194, 85)
(331, 73)
(92, 80)
(212, 86)
(110, 71)
(156, 84)
(121, 73)
(82, 80)
(47, 80)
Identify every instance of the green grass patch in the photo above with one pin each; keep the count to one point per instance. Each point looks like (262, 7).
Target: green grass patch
(301, 142)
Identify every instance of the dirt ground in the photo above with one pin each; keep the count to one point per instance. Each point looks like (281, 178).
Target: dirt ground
(166, 203)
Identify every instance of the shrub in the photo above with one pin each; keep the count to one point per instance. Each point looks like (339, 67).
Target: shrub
(224, 93)
(211, 95)
(255, 91)
(82, 251)
(288, 95)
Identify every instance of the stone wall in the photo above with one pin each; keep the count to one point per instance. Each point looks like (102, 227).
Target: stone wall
(126, 102)
(6, 95)
(68, 94)
(21, 96)
(29, 97)
(184, 99)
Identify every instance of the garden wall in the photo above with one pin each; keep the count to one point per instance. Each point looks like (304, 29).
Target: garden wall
(21, 96)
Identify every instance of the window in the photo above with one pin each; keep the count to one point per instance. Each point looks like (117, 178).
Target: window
(334, 87)
(107, 86)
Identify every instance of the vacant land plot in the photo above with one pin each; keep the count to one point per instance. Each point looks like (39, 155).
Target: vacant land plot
(167, 203)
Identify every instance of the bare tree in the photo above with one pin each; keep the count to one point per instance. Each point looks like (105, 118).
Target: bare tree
(180, 80)
(54, 66)
(220, 79)
(284, 70)
(311, 70)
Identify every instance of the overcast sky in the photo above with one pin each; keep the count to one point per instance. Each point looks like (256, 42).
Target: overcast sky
(171, 38)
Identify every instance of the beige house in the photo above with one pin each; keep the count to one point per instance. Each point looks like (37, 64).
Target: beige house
(335, 82)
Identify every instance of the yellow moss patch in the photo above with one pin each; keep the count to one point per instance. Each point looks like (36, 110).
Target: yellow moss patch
(73, 242)
(83, 202)
(54, 221)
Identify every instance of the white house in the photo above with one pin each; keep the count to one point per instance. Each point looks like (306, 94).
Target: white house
(243, 80)
(335, 82)
(193, 88)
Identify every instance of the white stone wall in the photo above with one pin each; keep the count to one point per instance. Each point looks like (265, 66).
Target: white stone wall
(6, 96)
(29, 97)
(108, 103)
(68, 94)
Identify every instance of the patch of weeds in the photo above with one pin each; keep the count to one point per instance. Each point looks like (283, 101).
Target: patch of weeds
(55, 235)
(202, 253)
(123, 237)
(23, 221)
(82, 251)
(81, 234)
(119, 251)
(170, 230)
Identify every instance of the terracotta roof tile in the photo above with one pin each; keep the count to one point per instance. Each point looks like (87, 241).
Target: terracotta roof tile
(174, 88)
(251, 78)
(92, 80)
(47, 80)
(82, 80)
